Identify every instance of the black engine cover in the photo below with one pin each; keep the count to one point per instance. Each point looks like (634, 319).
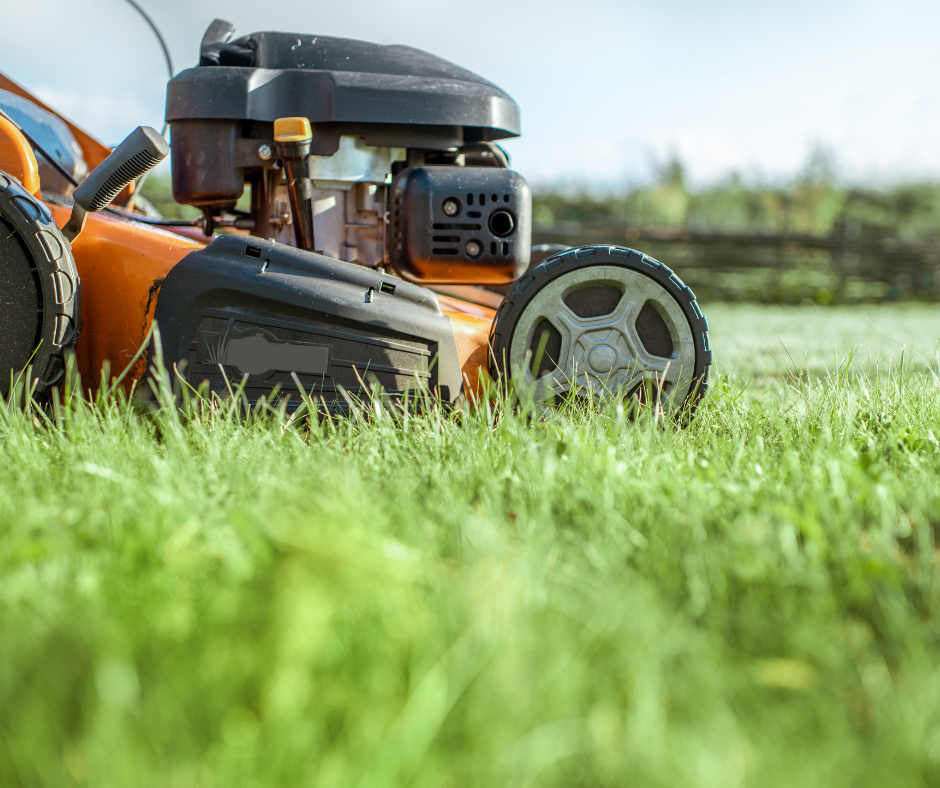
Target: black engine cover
(392, 95)
(251, 308)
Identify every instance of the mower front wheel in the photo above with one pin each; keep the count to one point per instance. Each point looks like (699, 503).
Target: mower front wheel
(603, 321)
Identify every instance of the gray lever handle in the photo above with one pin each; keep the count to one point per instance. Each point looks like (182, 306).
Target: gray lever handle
(143, 150)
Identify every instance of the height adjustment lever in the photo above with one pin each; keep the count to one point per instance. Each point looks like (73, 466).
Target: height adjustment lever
(143, 150)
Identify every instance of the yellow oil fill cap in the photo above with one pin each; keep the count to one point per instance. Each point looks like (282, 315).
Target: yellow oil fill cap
(292, 130)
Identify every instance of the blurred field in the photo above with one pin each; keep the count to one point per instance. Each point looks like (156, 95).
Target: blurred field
(814, 201)
(491, 597)
(764, 343)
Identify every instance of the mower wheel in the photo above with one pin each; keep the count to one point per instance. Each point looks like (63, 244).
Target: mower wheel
(603, 321)
(41, 318)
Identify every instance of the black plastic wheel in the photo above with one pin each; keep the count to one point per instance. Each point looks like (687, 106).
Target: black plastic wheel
(603, 320)
(40, 292)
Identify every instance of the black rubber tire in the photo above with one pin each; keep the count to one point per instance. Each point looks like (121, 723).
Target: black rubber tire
(41, 310)
(531, 282)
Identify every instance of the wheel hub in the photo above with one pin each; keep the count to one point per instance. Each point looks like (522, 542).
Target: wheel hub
(603, 358)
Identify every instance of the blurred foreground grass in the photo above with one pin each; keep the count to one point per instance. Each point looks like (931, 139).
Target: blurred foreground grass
(471, 600)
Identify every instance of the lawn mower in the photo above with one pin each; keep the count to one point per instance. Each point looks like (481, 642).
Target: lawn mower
(381, 213)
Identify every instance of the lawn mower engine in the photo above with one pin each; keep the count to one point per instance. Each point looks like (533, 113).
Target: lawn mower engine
(378, 155)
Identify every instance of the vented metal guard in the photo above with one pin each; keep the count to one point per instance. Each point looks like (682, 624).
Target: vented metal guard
(460, 224)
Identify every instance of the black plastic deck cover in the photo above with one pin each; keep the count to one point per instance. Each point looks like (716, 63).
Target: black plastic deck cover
(253, 309)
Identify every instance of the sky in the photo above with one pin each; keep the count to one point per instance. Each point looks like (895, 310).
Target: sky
(609, 89)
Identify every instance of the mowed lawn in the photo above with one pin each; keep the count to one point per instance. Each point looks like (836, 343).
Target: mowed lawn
(492, 599)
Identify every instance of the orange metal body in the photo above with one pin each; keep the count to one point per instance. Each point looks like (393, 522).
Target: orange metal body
(472, 335)
(471, 323)
(122, 265)
(17, 158)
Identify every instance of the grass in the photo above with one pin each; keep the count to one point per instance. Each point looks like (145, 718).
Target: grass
(490, 599)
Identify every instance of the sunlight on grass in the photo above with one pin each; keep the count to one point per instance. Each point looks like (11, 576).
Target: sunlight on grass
(491, 596)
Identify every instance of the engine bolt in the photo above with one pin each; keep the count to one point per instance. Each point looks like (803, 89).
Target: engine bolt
(473, 249)
(451, 207)
(265, 152)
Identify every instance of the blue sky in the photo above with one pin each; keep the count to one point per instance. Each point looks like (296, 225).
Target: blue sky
(607, 88)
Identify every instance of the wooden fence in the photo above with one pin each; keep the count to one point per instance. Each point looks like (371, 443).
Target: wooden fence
(847, 266)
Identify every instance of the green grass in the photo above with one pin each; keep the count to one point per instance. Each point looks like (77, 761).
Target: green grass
(491, 599)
